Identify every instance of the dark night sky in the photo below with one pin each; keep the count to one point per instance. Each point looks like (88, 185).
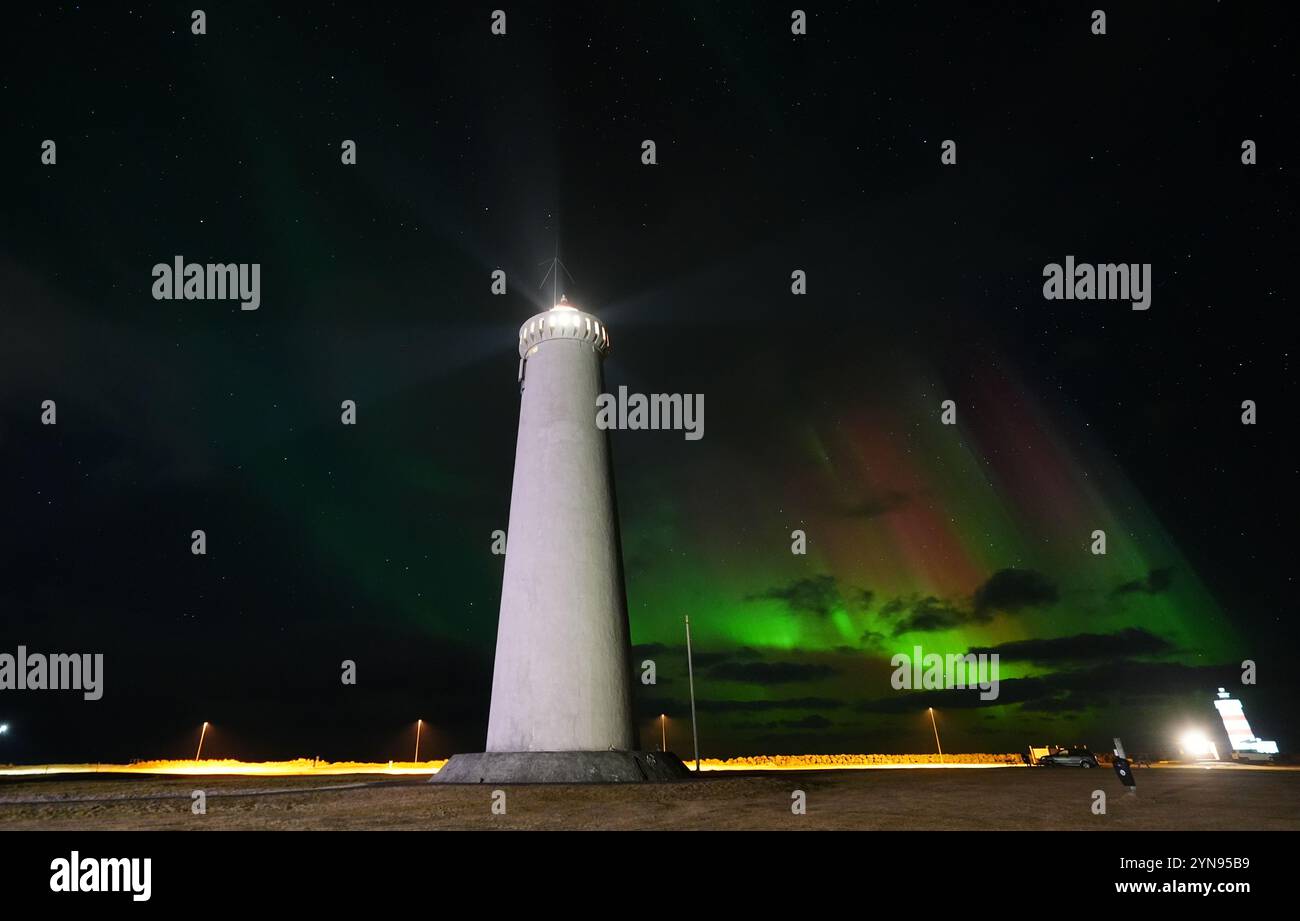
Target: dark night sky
(775, 153)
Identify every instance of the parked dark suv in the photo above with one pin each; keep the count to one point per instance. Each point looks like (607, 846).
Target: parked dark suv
(1074, 757)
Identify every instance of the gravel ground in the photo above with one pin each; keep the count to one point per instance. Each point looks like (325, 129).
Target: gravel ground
(1008, 798)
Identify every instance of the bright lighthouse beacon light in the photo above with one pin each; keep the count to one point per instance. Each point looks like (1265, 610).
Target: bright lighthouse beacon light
(563, 321)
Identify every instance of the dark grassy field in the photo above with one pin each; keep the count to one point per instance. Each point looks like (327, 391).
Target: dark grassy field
(876, 800)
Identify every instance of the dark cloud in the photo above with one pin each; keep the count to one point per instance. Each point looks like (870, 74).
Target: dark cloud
(1007, 590)
(1125, 681)
(770, 672)
(894, 606)
(818, 595)
(1010, 691)
(1128, 682)
(1157, 581)
(1133, 641)
(1068, 703)
(811, 721)
(1011, 590)
(923, 615)
(762, 706)
(703, 659)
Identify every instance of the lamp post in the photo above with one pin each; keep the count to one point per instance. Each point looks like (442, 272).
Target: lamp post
(198, 754)
(663, 732)
(418, 725)
(936, 734)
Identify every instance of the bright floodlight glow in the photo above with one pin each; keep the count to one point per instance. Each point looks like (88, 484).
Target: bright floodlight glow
(1198, 745)
(4, 727)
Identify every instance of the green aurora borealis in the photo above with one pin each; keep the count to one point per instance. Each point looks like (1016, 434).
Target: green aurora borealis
(920, 516)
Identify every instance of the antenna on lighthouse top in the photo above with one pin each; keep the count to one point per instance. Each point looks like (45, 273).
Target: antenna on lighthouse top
(553, 273)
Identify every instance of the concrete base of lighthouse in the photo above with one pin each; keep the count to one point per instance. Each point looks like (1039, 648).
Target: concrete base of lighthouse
(562, 767)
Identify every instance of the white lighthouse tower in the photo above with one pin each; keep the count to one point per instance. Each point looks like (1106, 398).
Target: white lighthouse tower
(561, 686)
(561, 680)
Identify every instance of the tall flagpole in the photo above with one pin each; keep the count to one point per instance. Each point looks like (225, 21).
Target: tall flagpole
(690, 670)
